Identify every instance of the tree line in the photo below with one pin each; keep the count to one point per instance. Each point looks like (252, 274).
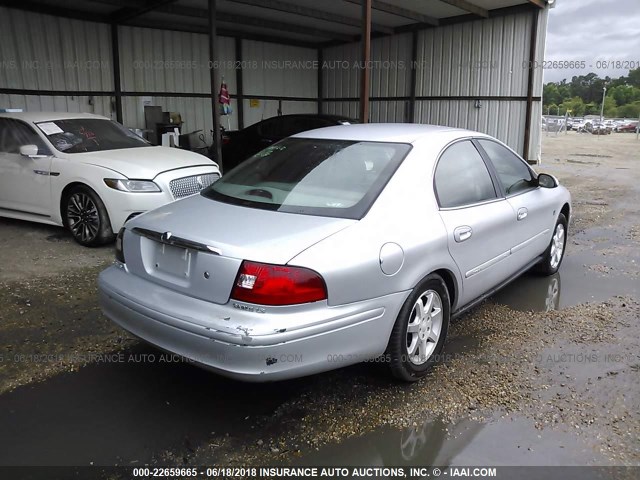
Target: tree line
(583, 96)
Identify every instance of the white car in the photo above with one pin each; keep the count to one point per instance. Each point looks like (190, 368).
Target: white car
(88, 173)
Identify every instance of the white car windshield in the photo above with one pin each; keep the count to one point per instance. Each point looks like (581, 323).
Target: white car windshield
(80, 135)
(335, 178)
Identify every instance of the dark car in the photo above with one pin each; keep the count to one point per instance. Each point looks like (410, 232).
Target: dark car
(239, 145)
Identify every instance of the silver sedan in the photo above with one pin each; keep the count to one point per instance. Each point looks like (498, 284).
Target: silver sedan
(336, 246)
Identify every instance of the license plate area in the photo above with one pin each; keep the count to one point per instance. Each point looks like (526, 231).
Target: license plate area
(174, 261)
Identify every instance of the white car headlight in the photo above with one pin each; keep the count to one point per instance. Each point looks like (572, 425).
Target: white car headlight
(143, 186)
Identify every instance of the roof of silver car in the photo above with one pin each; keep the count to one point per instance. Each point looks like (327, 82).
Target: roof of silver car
(48, 116)
(383, 132)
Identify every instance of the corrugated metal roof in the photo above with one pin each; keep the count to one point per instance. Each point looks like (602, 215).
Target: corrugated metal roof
(262, 17)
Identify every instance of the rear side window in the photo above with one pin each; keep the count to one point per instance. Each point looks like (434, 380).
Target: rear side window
(462, 177)
(310, 123)
(292, 125)
(512, 172)
(271, 128)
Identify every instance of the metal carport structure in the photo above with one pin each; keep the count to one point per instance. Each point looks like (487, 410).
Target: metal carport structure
(464, 63)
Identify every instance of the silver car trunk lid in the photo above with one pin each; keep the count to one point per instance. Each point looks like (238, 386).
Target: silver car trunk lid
(196, 245)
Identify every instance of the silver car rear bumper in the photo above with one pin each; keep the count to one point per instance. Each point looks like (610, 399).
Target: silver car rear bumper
(332, 337)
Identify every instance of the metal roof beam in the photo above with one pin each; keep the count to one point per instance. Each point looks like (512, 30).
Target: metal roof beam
(256, 22)
(311, 12)
(49, 9)
(223, 32)
(399, 11)
(539, 3)
(497, 12)
(127, 13)
(282, 26)
(202, 13)
(468, 7)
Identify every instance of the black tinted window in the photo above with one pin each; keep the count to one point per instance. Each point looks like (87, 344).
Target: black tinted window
(14, 134)
(271, 128)
(513, 174)
(282, 127)
(293, 125)
(462, 177)
(310, 123)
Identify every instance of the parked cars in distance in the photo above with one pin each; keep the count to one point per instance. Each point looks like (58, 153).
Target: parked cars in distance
(629, 127)
(88, 173)
(553, 123)
(333, 247)
(239, 145)
(600, 128)
(577, 123)
(569, 123)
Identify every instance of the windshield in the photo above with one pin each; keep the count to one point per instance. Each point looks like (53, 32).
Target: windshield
(335, 178)
(89, 135)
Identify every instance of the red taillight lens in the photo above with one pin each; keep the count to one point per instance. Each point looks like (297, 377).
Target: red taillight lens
(225, 140)
(266, 284)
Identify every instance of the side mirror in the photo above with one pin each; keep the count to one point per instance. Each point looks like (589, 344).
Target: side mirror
(547, 181)
(29, 150)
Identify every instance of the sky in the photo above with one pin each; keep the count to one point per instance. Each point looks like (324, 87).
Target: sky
(592, 30)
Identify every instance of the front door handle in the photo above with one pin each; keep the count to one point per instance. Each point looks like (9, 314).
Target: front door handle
(522, 213)
(460, 234)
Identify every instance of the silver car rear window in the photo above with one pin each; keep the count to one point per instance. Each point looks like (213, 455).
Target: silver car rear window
(334, 178)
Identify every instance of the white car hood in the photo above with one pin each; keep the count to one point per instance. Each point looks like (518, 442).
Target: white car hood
(144, 163)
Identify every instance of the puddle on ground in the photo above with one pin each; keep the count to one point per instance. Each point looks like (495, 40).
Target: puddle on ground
(574, 284)
(466, 443)
(129, 413)
(125, 413)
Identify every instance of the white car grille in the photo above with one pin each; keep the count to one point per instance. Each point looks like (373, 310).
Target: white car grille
(185, 186)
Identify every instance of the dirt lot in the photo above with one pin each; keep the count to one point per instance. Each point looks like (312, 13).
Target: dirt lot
(549, 368)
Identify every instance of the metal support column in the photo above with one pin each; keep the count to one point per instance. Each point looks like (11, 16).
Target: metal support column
(414, 74)
(215, 110)
(115, 56)
(320, 81)
(366, 58)
(532, 61)
(239, 94)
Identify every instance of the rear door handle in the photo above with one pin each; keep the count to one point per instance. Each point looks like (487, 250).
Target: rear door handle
(460, 234)
(522, 213)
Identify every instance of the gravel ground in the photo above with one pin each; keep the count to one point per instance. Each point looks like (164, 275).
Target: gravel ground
(576, 369)
(30, 250)
(47, 327)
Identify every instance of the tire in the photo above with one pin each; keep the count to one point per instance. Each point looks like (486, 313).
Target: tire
(409, 356)
(552, 259)
(86, 217)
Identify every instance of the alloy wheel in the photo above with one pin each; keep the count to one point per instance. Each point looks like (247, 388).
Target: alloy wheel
(83, 217)
(425, 325)
(557, 246)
